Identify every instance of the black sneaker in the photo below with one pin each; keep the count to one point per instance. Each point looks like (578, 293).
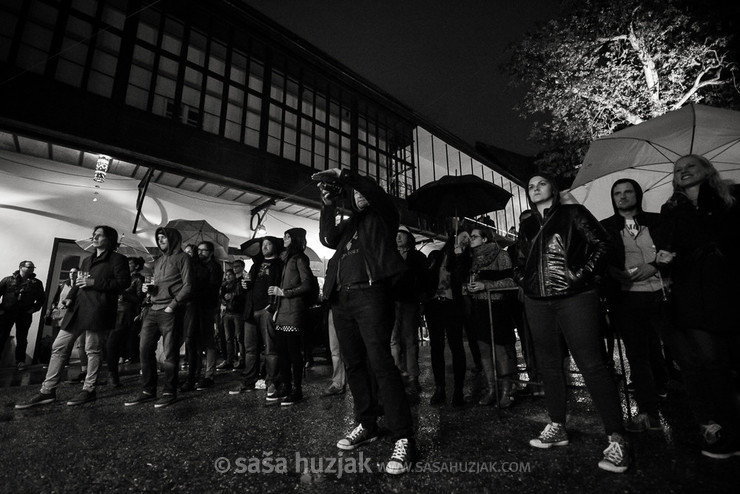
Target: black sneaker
(166, 400)
(143, 397)
(242, 388)
(643, 422)
(204, 384)
(82, 397)
(553, 434)
(292, 398)
(280, 393)
(80, 379)
(719, 445)
(187, 386)
(616, 455)
(402, 457)
(357, 438)
(39, 399)
(225, 366)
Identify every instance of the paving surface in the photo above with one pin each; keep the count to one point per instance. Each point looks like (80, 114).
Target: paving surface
(210, 441)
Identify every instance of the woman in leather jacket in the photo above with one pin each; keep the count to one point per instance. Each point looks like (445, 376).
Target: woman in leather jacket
(561, 250)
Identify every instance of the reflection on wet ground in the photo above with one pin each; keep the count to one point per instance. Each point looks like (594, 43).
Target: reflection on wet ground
(210, 441)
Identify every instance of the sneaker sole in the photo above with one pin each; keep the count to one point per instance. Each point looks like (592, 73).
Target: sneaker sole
(611, 467)
(134, 403)
(75, 403)
(31, 405)
(536, 443)
(720, 456)
(351, 447)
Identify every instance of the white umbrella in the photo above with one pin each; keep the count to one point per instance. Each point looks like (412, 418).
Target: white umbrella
(646, 153)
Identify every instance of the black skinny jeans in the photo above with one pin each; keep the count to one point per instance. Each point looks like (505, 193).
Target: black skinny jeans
(290, 358)
(576, 318)
(445, 317)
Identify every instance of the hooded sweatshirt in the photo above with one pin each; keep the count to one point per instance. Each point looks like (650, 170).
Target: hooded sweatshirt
(172, 273)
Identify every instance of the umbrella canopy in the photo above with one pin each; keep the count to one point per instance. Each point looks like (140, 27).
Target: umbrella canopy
(127, 246)
(646, 153)
(464, 195)
(196, 231)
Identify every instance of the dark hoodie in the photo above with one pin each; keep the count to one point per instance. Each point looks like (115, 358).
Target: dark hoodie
(172, 273)
(615, 224)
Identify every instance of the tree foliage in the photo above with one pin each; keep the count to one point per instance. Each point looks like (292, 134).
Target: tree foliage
(604, 65)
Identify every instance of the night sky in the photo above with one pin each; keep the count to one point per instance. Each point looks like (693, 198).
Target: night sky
(441, 58)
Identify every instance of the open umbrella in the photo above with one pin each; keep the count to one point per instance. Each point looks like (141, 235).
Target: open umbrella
(646, 153)
(127, 246)
(196, 231)
(463, 195)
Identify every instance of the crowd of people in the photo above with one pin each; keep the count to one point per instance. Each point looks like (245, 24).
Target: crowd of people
(663, 282)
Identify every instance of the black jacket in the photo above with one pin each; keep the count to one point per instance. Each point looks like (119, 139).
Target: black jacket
(21, 295)
(376, 226)
(560, 254)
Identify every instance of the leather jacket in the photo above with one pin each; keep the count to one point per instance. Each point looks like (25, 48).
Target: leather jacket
(560, 254)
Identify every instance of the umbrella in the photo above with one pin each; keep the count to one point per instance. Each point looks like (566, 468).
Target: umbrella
(196, 231)
(464, 195)
(646, 153)
(127, 246)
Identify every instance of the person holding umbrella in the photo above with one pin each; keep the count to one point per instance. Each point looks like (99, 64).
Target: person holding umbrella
(702, 230)
(561, 250)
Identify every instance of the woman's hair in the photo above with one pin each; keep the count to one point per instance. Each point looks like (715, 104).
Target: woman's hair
(297, 242)
(715, 182)
(110, 233)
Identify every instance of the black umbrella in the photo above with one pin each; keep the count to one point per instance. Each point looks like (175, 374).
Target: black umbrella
(464, 195)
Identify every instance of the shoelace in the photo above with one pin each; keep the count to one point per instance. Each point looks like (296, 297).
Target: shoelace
(551, 431)
(399, 450)
(355, 433)
(709, 432)
(614, 453)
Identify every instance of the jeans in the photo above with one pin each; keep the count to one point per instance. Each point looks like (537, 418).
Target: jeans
(576, 318)
(705, 361)
(22, 321)
(405, 338)
(640, 317)
(60, 351)
(364, 320)
(444, 317)
(234, 330)
(169, 326)
(290, 358)
(263, 325)
(200, 329)
(338, 375)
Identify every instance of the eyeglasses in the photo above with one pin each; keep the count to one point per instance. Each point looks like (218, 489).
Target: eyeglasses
(204, 250)
(475, 236)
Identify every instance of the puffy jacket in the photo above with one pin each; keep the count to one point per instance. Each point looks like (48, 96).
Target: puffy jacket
(376, 228)
(562, 253)
(296, 284)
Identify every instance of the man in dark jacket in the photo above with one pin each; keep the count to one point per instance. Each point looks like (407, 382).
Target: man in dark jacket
(636, 297)
(22, 295)
(168, 293)
(203, 309)
(360, 295)
(92, 306)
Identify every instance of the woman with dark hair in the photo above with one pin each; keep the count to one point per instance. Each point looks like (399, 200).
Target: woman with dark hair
(490, 275)
(291, 313)
(561, 249)
(702, 238)
(129, 305)
(444, 310)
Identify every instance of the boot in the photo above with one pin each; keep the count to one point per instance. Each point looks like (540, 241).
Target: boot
(507, 397)
(490, 397)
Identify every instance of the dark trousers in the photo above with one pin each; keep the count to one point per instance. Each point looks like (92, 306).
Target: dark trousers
(118, 339)
(364, 320)
(444, 318)
(22, 321)
(290, 358)
(200, 329)
(576, 318)
(169, 326)
(234, 334)
(704, 358)
(640, 317)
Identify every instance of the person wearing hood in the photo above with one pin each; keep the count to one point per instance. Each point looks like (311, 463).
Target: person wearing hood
(561, 251)
(636, 297)
(291, 314)
(259, 308)
(92, 307)
(170, 289)
(22, 294)
(359, 291)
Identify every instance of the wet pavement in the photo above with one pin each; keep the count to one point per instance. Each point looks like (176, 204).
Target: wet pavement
(210, 441)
